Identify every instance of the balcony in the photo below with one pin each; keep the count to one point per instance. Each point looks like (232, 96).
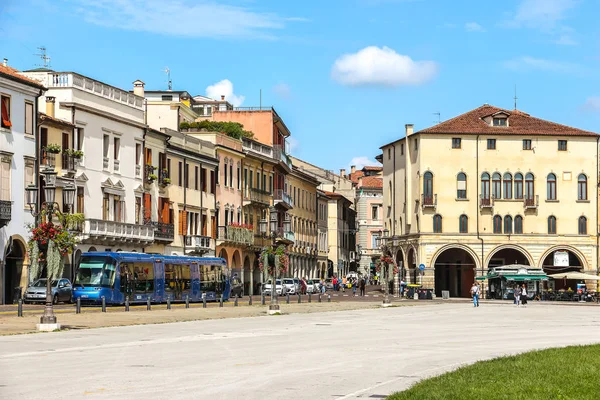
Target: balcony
(285, 236)
(282, 198)
(48, 160)
(429, 201)
(236, 235)
(199, 244)
(257, 148)
(531, 202)
(486, 201)
(96, 230)
(69, 163)
(257, 196)
(149, 176)
(280, 155)
(5, 212)
(163, 231)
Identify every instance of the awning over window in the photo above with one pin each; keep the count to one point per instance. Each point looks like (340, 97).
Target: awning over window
(520, 278)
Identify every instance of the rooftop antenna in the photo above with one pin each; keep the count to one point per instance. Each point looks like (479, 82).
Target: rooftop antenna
(170, 82)
(44, 57)
(439, 115)
(515, 97)
(260, 100)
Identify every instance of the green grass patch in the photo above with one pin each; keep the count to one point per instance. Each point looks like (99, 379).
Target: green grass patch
(565, 373)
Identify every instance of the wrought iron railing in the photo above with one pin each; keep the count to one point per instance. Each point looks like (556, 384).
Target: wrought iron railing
(164, 231)
(5, 212)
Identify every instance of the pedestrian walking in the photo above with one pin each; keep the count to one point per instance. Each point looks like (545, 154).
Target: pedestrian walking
(354, 284)
(524, 296)
(323, 288)
(517, 296)
(475, 294)
(362, 285)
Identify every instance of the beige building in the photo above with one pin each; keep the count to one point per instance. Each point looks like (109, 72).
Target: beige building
(489, 188)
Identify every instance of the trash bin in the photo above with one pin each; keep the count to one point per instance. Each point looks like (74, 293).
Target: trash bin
(17, 294)
(425, 294)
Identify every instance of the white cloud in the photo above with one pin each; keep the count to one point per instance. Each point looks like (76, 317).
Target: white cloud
(530, 63)
(283, 90)
(474, 27)
(191, 18)
(361, 162)
(543, 14)
(592, 104)
(566, 40)
(224, 88)
(381, 67)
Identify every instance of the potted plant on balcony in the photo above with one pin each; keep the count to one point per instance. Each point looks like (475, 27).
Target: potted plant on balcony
(184, 126)
(165, 182)
(53, 148)
(151, 178)
(76, 154)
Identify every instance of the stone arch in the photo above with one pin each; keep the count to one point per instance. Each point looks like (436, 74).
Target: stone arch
(411, 264)
(236, 259)
(15, 269)
(247, 275)
(582, 260)
(514, 247)
(92, 249)
(400, 261)
(454, 268)
(223, 254)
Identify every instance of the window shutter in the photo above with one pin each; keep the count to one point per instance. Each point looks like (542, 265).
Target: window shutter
(180, 222)
(147, 207)
(165, 211)
(184, 223)
(123, 213)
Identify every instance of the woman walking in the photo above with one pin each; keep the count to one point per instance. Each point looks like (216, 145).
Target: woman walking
(524, 296)
(517, 296)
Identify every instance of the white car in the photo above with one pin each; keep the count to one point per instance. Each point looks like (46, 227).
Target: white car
(312, 286)
(279, 288)
(290, 286)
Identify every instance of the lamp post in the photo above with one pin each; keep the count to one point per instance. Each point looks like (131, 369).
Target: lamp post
(273, 225)
(382, 242)
(49, 208)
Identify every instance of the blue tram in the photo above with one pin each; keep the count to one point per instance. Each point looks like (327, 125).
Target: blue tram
(149, 276)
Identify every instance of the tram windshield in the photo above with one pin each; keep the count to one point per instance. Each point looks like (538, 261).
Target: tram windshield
(96, 271)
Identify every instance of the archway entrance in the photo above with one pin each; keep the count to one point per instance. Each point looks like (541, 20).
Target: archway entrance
(562, 260)
(247, 278)
(507, 257)
(412, 272)
(454, 272)
(257, 277)
(400, 263)
(13, 271)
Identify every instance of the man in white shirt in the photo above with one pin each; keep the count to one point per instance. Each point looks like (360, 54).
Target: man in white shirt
(475, 294)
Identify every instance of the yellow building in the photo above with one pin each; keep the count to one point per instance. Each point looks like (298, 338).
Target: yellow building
(489, 188)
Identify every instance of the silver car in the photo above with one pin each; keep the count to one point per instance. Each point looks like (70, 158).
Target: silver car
(36, 292)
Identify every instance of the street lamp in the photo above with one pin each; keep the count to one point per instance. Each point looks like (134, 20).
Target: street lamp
(273, 225)
(49, 207)
(383, 242)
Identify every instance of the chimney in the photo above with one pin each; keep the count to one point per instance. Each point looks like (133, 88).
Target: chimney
(50, 106)
(352, 169)
(222, 97)
(342, 172)
(138, 88)
(409, 129)
(5, 62)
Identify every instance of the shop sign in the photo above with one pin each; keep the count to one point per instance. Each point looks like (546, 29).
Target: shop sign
(561, 258)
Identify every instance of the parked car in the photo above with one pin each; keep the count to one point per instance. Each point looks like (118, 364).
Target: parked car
(290, 285)
(36, 292)
(279, 288)
(329, 284)
(312, 286)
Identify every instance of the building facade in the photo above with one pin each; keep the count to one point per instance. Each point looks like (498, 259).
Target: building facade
(322, 241)
(488, 188)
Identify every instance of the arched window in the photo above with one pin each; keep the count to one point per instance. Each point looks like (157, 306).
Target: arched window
(529, 189)
(508, 225)
(552, 225)
(437, 223)
(428, 187)
(496, 186)
(497, 224)
(582, 187)
(463, 224)
(485, 188)
(507, 186)
(551, 187)
(518, 224)
(461, 186)
(582, 225)
(518, 186)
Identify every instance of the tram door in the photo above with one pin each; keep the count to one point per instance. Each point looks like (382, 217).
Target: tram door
(184, 281)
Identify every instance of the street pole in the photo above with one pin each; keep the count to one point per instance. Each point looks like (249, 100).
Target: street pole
(48, 317)
(274, 306)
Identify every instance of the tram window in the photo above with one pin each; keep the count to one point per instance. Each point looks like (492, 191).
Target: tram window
(170, 280)
(96, 271)
(186, 277)
(126, 278)
(143, 275)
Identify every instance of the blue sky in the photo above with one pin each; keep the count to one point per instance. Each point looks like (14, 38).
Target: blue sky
(344, 74)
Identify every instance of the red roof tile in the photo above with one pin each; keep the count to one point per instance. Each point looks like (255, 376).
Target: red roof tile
(354, 177)
(44, 117)
(14, 74)
(372, 168)
(519, 123)
(372, 182)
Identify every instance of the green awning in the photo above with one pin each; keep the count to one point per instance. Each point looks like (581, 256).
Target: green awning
(481, 278)
(520, 278)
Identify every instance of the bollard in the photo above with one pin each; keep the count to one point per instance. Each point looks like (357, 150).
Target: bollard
(187, 301)
(262, 299)
(299, 299)
(103, 304)
(168, 303)
(126, 303)
(235, 302)
(249, 300)
(310, 297)
(221, 301)
(19, 308)
(78, 306)
(287, 298)
(203, 300)
(319, 297)
(328, 298)
(148, 305)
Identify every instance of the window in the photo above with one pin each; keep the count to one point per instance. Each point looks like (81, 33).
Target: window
(5, 163)
(30, 176)
(507, 186)
(138, 154)
(169, 168)
(499, 121)
(117, 147)
(496, 186)
(463, 224)
(5, 106)
(529, 189)
(508, 225)
(526, 144)
(167, 97)
(461, 186)
(551, 187)
(491, 144)
(518, 186)
(186, 175)
(239, 178)
(212, 182)
(80, 200)
(257, 180)
(417, 145)
(582, 225)
(203, 179)
(225, 169)
(437, 223)
(271, 184)
(552, 225)
(497, 224)
(106, 145)
(456, 143)
(138, 210)
(485, 186)
(180, 173)
(401, 149)
(428, 186)
(389, 153)
(264, 182)
(375, 213)
(79, 135)
(582, 187)
(562, 145)
(518, 224)
(28, 118)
